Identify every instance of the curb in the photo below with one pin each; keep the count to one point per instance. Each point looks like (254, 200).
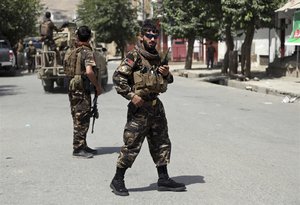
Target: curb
(217, 78)
(255, 88)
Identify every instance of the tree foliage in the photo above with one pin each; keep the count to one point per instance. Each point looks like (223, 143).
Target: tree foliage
(112, 20)
(246, 16)
(18, 18)
(193, 19)
(190, 19)
(252, 15)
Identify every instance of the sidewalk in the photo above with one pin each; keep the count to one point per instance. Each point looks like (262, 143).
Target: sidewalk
(283, 86)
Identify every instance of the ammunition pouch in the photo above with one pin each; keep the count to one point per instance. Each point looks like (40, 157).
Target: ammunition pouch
(76, 83)
(149, 82)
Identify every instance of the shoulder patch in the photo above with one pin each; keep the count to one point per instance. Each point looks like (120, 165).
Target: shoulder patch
(129, 59)
(129, 62)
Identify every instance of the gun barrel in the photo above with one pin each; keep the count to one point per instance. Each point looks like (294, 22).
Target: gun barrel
(165, 60)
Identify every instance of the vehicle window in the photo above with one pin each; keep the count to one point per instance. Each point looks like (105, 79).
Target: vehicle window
(3, 45)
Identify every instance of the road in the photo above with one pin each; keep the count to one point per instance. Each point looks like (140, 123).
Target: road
(229, 146)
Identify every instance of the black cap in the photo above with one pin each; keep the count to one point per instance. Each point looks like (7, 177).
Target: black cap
(84, 33)
(47, 14)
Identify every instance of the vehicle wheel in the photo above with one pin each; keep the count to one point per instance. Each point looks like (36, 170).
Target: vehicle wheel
(60, 82)
(48, 85)
(12, 71)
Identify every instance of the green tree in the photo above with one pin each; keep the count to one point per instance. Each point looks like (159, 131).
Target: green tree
(229, 9)
(246, 16)
(18, 18)
(112, 20)
(190, 19)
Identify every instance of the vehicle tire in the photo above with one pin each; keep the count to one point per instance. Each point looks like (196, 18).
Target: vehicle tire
(60, 82)
(12, 71)
(48, 85)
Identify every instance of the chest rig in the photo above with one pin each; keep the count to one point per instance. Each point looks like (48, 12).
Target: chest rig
(147, 79)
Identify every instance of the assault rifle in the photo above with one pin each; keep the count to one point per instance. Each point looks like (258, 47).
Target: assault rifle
(165, 60)
(94, 111)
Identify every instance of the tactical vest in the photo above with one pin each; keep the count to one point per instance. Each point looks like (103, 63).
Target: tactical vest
(72, 68)
(72, 62)
(45, 28)
(31, 52)
(148, 80)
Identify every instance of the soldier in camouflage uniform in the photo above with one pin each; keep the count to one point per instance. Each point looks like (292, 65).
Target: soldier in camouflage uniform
(80, 94)
(140, 78)
(47, 37)
(20, 54)
(31, 52)
(46, 31)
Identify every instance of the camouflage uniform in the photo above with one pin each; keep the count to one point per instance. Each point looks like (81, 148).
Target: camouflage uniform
(149, 120)
(31, 58)
(48, 39)
(80, 101)
(49, 43)
(20, 54)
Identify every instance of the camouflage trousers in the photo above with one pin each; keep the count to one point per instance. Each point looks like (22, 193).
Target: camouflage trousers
(147, 121)
(80, 103)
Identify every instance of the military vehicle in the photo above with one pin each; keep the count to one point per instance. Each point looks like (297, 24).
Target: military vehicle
(50, 65)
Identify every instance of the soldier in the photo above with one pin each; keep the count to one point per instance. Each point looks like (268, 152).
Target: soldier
(31, 52)
(140, 78)
(81, 63)
(46, 32)
(20, 54)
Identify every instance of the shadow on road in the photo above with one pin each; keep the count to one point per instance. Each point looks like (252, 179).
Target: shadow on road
(61, 90)
(187, 180)
(107, 150)
(108, 88)
(9, 90)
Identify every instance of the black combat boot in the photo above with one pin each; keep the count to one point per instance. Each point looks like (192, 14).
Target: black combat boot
(90, 150)
(118, 184)
(81, 153)
(165, 183)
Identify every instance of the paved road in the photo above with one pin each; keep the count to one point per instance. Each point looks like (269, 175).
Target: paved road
(229, 146)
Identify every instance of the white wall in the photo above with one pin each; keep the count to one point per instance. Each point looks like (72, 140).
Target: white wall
(261, 44)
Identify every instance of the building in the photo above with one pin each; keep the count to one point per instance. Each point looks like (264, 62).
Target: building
(269, 45)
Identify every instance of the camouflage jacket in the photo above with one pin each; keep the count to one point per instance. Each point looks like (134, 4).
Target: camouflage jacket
(31, 52)
(123, 77)
(87, 58)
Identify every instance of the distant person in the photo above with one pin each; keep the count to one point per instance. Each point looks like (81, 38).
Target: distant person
(210, 55)
(20, 54)
(80, 67)
(46, 32)
(140, 78)
(31, 52)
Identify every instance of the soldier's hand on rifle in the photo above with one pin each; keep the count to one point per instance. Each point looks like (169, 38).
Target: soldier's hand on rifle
(137, 101)
(164, 70)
